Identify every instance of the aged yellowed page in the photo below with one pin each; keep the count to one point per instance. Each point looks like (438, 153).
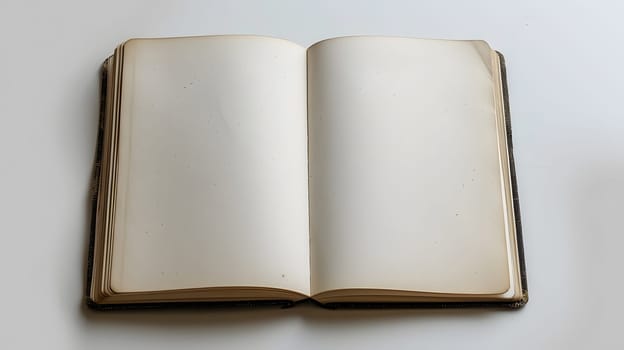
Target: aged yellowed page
(213, 165)
(405, 171)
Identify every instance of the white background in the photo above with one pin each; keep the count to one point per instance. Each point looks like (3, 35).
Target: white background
(565, 62)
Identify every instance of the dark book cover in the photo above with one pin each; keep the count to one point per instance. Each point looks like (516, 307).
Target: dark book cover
(287, 303)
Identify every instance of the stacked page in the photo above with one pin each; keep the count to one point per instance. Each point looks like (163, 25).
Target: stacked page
(360, 170)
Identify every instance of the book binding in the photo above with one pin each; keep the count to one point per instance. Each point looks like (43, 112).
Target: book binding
(287, 303)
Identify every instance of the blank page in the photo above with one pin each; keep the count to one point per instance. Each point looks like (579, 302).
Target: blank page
(213, 165)
(405, 173)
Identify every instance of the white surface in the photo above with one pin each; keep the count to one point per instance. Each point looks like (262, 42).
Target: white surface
(565, 74)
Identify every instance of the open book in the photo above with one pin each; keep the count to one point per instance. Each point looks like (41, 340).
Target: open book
(359, 170)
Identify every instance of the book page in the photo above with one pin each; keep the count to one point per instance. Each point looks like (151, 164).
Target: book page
(405, 172)
(212, 185)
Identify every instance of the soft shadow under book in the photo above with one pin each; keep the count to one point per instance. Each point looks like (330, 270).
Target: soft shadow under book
(361, 171)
